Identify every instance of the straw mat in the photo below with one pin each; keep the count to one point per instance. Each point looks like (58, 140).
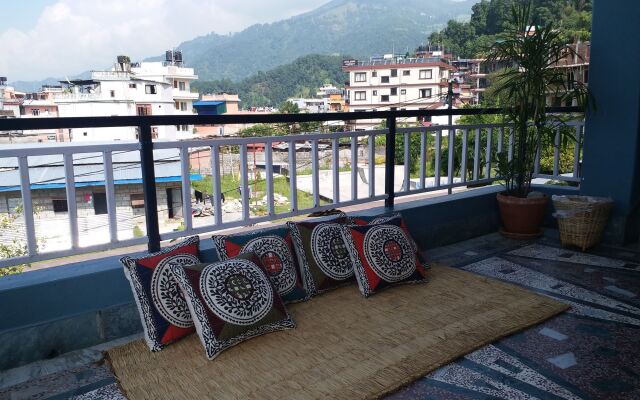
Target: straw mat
(344, 346)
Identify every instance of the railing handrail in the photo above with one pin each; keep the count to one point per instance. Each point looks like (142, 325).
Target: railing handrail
(475, 167)
(122, 121)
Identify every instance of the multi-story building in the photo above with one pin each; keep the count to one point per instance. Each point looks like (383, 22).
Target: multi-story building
(41, 105)
(575, 65)
(179, 77)
(154, 88)
(396, 83)
(10, 102)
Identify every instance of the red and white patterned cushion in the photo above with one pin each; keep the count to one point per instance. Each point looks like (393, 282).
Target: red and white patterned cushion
(383, 255)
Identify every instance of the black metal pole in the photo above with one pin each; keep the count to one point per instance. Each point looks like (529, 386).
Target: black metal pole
(149, 188)
(390, 162)
(450, 107)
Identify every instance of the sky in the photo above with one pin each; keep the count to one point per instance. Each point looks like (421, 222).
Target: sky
(57, 38)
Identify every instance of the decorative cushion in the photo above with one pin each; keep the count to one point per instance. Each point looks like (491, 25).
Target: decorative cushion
(322, 254)
(163, 309)
(231, 301)
(274, 247)
(382, 256)
(384, 219)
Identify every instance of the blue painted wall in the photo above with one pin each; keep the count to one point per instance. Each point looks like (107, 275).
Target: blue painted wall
(611, 164)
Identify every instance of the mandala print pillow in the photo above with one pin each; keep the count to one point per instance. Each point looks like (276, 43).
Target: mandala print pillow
(384, 219)
(382, 256)
(231, 301)
(274, 247)
(163, 309)
(322, 254)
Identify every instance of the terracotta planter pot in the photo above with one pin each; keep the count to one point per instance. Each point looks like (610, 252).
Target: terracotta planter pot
(522, 218)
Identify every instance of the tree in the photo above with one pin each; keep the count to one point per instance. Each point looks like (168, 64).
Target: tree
(492, 17)
(16, 248)
(288, 107)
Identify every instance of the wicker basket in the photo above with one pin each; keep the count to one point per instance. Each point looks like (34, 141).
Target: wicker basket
(581, 219)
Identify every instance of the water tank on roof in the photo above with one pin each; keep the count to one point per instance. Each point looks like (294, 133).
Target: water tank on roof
(168, 56)
(177, 56)
(3, 80)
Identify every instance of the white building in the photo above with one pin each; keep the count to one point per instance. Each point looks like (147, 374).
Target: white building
(396, 83)
(179, 78)
(154, 88)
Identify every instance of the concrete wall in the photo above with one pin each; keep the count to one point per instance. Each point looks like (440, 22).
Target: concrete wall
(52, 229)
(42, 199)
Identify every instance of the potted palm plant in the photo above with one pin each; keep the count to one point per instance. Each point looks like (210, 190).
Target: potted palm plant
(531, 55)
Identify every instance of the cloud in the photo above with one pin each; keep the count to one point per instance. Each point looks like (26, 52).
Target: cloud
(71, 36)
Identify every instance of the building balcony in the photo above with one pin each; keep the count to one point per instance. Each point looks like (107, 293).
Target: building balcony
(185, 95)
(85, 205)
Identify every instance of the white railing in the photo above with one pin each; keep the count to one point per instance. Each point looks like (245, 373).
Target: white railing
(459, 155)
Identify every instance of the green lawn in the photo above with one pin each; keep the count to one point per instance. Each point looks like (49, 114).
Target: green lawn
(229, 185)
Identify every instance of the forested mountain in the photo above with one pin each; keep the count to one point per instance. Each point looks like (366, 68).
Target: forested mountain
(491, 17)
(301, 78)
(356, 27)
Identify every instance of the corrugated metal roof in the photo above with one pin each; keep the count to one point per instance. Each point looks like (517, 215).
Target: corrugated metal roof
(207, 103)
(48, 171)
(90, 158)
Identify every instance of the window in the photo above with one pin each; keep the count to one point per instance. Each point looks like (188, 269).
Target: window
(150, 89)
(137, 200)
(403, 91)
(374, 74)
(182, 86)
(385, 79)
(51, 138)
(406, 72)
(112, 93)
(99, 203)
(35, 111)
(375, 92)
(84, 133)
(59, 205)
(183, 106)
(360, 77)
(384, 98)
(143, 109)
(132, 86)
(425, 93)
(426, 74)
(394, 91)
(361, 95)
(394, 73)
(175, 83)
(177, 105)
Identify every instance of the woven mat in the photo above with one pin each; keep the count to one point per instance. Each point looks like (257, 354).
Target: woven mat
(344, 346)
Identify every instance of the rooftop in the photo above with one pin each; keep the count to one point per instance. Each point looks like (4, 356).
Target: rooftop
(583, 353)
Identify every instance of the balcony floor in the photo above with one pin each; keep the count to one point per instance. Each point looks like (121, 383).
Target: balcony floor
(588, 352)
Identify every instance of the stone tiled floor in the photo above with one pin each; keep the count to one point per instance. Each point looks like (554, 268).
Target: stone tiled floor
(589, 352)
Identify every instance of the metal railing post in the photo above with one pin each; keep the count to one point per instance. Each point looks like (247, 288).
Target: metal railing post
(390, 162)
(149, 188)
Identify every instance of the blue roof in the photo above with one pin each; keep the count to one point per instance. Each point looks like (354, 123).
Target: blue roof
(194, 177)
(207, 103)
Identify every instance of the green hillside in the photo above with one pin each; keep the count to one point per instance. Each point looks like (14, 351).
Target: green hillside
(356, 27)
(300, 78)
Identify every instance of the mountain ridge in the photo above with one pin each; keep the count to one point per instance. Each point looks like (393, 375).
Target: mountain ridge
(357, 28)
